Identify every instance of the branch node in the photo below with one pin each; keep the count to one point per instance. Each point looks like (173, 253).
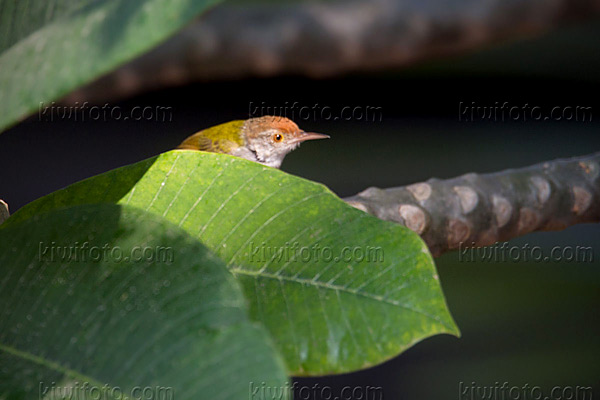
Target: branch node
(468, 198)
(414, 218)
(502, 210)
(583, 199)
(420, 191)
(542, 188)
(528, 220)
(358, 205)
(458, 232)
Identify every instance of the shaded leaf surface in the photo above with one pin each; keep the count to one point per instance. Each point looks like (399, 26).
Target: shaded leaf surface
(338, 289)
(107, 317)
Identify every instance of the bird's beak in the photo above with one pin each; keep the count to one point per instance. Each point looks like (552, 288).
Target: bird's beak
(304, 136)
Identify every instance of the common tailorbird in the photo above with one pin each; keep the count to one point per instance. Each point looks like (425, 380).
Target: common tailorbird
(266, 140)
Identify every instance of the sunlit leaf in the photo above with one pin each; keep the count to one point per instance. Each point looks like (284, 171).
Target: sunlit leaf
(338, 289)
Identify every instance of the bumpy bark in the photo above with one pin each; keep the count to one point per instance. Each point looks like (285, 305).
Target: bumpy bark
(328, 38)
(479, 210)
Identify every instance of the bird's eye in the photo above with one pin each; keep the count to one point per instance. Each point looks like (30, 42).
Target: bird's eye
(278, 137)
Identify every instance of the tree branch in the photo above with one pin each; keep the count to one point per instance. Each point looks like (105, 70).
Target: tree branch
(321, 39)
(479, 210)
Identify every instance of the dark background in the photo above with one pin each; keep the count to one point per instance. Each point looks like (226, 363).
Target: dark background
(534, 323)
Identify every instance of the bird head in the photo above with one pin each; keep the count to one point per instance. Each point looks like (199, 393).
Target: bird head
(272, 138)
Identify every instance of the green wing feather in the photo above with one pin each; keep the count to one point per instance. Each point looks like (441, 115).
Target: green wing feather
(217, 139)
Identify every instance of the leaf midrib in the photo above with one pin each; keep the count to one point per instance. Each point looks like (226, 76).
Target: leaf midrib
(325, 285)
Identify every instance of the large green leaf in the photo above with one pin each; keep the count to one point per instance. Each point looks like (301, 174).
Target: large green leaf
(48, 48)
(81, 307)
(326, 315)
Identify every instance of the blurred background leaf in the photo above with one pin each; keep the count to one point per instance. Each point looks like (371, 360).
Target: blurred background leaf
(48, 49)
